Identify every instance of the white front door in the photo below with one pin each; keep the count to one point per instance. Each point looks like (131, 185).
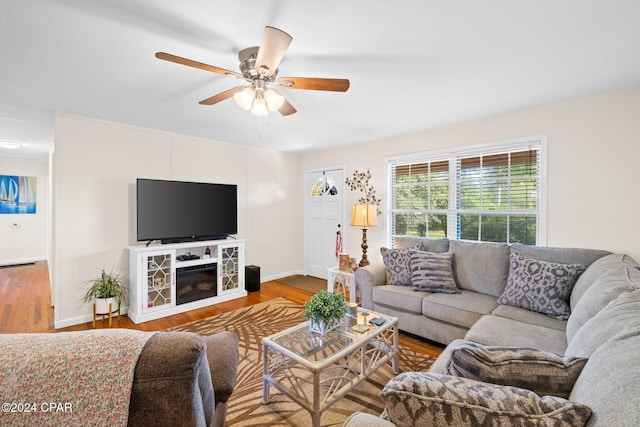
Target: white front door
(323, 219)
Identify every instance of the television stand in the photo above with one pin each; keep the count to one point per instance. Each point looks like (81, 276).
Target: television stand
(162, 285)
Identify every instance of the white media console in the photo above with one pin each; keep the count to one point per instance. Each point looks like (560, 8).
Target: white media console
(163, 281)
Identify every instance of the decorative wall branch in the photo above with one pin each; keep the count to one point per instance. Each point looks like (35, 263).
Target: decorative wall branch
(360, 182)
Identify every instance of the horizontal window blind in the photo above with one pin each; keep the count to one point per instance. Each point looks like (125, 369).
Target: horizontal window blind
(497, 196)
(491, 193)
(420, 198)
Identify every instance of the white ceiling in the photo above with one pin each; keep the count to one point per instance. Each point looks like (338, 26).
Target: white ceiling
(413, 64)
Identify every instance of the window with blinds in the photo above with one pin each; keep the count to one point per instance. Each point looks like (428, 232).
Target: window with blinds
(420, 198)
(491, 194)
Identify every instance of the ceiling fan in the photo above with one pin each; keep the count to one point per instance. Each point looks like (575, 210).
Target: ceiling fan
(259, 66)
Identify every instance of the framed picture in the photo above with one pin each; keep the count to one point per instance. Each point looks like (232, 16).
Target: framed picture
(17, 194)
(345, 263)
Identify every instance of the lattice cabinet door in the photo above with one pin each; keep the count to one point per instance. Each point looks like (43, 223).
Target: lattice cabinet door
(159, 275)
(230, 268)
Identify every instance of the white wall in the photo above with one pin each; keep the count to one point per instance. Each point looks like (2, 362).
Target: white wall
(95, 165)
(592, 184)
(28, 242)
(593, 173)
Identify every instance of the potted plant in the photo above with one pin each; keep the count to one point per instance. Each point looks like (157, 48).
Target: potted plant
(107, 289)
(324, 311)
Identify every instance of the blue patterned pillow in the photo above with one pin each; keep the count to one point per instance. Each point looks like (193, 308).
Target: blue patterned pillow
(540, 286)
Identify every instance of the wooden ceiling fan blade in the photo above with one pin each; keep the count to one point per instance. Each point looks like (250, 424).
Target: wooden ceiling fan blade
(287, 109)
(221, 96)
(274, 44)
(191, 63)
(313, 83)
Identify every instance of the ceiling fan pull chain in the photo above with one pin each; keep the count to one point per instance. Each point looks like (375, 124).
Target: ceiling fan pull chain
(259, 128)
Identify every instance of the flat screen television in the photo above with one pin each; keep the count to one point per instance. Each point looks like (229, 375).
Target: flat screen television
(178, 211)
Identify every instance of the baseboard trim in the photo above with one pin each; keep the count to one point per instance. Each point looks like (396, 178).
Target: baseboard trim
(20, 261)
(65, 323)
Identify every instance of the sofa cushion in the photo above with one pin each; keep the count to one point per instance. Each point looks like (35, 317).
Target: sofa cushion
(611, 283)
(480, 266)
(581, 256)
(422, 243)
(462, 309)
(542, 372)
(223, 350)
(431, 272)
(426, 399)
(594, 271)
(616, 316)
(609, 381)
(399, 297)
(528, 316)
(172, 382)
(494, 330)
(398, 263)
(540, 285)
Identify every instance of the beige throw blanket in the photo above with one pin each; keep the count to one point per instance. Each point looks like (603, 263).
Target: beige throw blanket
(68, 379)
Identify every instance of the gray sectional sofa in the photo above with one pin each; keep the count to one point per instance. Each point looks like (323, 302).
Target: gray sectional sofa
(600, 330)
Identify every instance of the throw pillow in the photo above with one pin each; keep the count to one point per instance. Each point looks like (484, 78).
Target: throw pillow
(398, 263)
(432, 272)
(540, 286)
(542, 372)
(427, 399)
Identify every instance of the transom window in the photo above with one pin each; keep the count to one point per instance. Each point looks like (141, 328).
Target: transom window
(322, 186)
(487, 193)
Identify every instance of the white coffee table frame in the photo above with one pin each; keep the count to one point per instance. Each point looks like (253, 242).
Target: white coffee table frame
(316, 372)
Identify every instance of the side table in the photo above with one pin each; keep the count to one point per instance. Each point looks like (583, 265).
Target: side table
(343, 283)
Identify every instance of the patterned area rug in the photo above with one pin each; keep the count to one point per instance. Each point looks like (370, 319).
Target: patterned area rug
(264, 319)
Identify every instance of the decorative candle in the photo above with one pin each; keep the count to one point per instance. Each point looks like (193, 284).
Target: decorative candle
(352, 309)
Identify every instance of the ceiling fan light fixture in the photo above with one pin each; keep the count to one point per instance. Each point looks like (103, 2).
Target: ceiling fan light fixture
(274, 100)
(244, 98)
(259, 106)
(259, 67)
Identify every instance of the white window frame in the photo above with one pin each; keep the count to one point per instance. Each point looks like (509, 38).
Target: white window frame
(452, 155)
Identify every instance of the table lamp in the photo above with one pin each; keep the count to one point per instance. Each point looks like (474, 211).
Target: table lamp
(364, 216)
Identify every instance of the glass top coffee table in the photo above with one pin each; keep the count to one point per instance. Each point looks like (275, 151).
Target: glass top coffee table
(315, 371)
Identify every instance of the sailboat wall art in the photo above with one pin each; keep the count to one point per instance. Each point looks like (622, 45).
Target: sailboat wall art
(17, 194)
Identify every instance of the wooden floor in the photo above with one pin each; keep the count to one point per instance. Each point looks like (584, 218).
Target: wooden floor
(25, 306)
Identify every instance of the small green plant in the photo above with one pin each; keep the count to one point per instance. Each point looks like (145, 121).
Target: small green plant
(108, 285)
(325, 306)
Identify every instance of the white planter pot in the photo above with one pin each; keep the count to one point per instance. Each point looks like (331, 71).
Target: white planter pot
(323, 326)
(102, 305)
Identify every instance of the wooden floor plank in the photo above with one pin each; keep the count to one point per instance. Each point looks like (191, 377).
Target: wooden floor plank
(25, 306)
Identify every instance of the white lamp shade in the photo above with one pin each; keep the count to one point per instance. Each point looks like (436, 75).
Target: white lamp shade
(244, 98)
(363, 215)
(274, 100)
(259, 107)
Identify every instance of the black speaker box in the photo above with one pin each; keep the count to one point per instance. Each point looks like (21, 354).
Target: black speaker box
(252, 278)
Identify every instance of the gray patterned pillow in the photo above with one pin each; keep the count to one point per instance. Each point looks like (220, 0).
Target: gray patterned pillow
(542, 372)
(398, 263)
(432, 272)
(540, 286)
(427, 399)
